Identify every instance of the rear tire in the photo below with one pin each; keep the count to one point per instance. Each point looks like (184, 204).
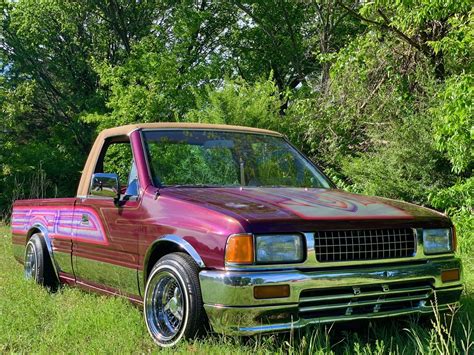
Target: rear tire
(173, 306)
(38, 265)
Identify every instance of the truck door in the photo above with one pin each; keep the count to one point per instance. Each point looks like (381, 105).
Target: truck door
(105, 244)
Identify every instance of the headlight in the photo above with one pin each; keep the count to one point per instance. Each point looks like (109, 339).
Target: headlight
(437, 241)
(279, 248)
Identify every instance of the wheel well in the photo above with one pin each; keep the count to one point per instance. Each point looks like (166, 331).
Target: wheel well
(159, 250)
(32, 231)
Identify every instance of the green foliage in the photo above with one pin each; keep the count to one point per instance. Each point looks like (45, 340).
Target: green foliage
(457, 45)
(239, 103)
(458, 202)
(387, 125)
(164, 71)
(464, 222)
(412, 15)
(406, 165)
(371, 127)
(459, 195)
(141, 89)
(454, 124)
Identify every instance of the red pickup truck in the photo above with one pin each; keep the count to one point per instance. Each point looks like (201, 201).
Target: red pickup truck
(233, 227)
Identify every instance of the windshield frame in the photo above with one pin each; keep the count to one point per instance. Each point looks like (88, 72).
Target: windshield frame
(157, 183)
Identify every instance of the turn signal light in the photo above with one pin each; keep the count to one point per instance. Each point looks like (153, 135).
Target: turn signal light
(239, 249)
(280, 291)
(450, 275)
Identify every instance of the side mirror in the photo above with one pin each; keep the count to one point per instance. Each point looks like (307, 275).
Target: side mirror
(105, 185)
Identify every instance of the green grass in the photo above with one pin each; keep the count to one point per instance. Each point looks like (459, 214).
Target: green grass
(71, 321)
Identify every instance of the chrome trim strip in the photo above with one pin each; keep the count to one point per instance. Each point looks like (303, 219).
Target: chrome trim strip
(363, 303)
(242, 321)
(348, 296)
(183, 244)
(236, 288)
(170, 238)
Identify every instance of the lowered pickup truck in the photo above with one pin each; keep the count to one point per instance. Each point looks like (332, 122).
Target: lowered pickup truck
(234, 227)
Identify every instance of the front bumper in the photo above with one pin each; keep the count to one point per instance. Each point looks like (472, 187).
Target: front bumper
(326, 295)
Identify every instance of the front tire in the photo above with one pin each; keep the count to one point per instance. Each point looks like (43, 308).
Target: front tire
(38, 265)
(173, 307)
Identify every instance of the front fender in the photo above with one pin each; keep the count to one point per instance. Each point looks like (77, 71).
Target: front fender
(179, 243)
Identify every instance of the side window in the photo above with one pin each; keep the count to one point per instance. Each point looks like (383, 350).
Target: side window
(118, 159)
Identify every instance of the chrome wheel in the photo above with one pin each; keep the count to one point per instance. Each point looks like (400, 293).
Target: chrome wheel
(31, 263)
(164, 306)
(172, 301)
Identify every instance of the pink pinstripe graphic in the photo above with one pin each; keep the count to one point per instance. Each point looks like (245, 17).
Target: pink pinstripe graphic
(61, 222)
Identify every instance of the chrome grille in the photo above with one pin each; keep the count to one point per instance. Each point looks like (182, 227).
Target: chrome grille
(364, 299)
(369, 244)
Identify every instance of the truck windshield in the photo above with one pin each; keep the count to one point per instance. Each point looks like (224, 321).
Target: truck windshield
(207, 158)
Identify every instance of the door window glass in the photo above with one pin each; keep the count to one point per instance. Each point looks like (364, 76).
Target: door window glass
(118, 159)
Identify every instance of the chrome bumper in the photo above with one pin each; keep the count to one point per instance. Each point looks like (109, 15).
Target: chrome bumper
(232, 309)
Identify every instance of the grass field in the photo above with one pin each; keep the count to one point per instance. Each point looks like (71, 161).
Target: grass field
(72, 321)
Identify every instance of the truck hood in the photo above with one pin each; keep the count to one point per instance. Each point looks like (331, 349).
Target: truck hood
(282, 205)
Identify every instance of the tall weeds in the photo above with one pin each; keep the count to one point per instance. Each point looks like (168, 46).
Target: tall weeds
(31, 186)
(443, 337)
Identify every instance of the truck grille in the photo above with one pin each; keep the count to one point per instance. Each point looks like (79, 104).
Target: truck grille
(370, 244)
(364, 299)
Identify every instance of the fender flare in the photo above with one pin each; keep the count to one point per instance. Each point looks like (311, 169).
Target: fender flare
(178, 241)
(44, 231)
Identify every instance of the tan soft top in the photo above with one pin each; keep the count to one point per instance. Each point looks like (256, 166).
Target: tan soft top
(126, 130)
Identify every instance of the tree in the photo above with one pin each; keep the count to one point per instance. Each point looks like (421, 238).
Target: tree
(417, 23)
(371, 90)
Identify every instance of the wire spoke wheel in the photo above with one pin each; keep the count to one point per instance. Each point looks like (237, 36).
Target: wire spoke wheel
(172, 301)
(165, 307)
(31, 262)
(38, 265)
